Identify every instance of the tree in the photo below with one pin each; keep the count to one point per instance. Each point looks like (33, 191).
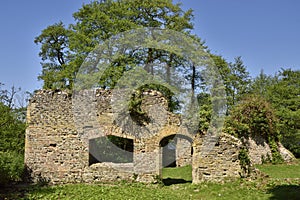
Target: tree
(285, 97)
(54, 53)
(12, 132)
(239, 80)
(64, 49)
(224, 71)
(282, 91)
(261, 84)
(235, 77)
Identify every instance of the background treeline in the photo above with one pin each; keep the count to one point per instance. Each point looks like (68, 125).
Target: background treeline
(12, 132)
(266, 104)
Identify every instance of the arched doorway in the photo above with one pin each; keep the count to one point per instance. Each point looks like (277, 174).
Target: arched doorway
(176, 159)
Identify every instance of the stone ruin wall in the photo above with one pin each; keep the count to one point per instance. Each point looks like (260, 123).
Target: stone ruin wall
(218, 160)
(57, 145)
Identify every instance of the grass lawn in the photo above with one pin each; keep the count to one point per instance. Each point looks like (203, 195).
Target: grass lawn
(283, 183)
(177, 175)
(281, 170)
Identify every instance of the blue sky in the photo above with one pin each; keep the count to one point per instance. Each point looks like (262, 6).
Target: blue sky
(266, 33)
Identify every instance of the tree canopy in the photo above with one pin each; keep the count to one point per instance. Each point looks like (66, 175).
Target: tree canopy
(63, 49)
(283, 92)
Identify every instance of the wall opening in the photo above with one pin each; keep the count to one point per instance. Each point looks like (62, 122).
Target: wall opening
(110, 149)
(176, 159)
(168, 145)
(176, 151)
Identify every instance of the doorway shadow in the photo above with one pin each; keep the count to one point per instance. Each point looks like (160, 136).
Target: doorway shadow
(173, 181)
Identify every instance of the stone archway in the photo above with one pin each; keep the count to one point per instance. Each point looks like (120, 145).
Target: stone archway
(175, 150)
(170, 132)
(175, 156)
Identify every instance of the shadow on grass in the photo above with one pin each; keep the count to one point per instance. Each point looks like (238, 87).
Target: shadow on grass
(283, 192)
(20, 191)
(173, 181)
(13, 191)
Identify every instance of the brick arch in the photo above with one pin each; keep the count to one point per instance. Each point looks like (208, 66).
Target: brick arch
(167, 131)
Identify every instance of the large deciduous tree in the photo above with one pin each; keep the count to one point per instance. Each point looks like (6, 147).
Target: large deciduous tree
(63, 50)
(54, 53)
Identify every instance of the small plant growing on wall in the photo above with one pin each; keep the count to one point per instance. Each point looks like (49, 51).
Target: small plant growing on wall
(245, 163)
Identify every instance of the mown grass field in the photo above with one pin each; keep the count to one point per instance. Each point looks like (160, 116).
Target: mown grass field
(283, 183)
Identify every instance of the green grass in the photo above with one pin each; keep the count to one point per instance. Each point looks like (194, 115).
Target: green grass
(177, 175)
(281, 170)
(233, 190)
(274, 187)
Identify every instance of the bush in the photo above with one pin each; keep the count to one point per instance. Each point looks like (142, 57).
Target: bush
(254, 116)
(11, 167)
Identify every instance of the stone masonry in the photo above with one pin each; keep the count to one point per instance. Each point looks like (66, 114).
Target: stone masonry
(59, 134)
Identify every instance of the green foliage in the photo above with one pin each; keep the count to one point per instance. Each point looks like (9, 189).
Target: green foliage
(261, 85)
(282, 91)
(253, 116)
(12, 130)
(239, 81)
(286, 99)
(11, 167)
(276, 157)
(292, 142)
(235, 78)
(63, 50)
(205, 111)
(54, 51)
(245, 162)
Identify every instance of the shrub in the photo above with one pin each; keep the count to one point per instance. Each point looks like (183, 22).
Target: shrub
(11, 167)
(254, 116)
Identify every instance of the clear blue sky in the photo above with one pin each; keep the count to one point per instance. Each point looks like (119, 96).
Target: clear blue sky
(266, 33)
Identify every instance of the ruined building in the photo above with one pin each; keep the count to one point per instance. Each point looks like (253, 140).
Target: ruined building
(66, 143)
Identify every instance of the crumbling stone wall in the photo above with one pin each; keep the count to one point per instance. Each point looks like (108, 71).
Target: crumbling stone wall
(58, 135)
(260, 151)
(218, 161)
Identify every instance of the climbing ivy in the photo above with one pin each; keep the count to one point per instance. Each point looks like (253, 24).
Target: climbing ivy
(245, 162)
